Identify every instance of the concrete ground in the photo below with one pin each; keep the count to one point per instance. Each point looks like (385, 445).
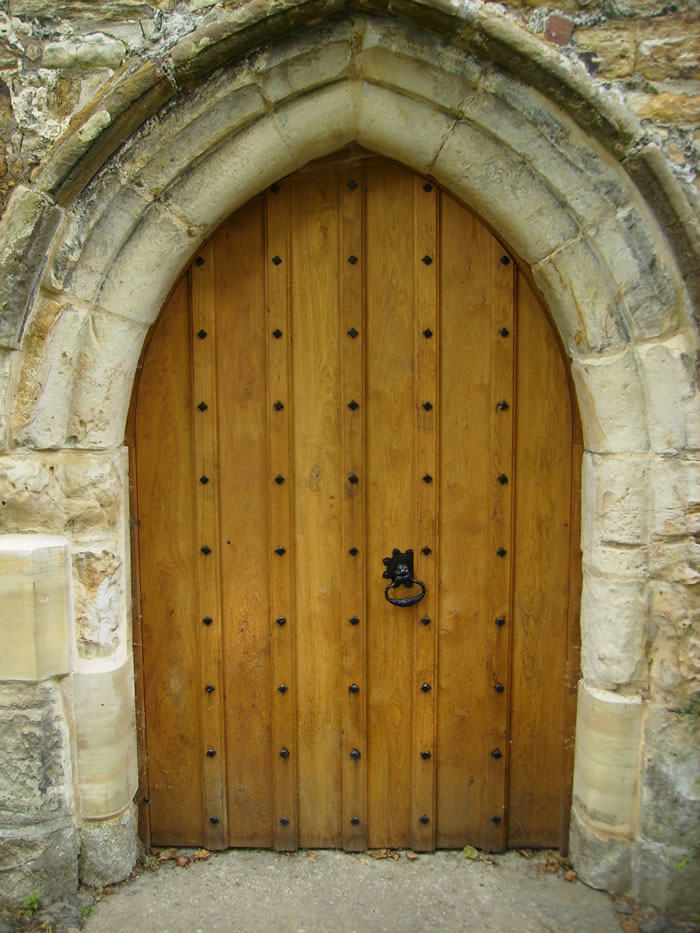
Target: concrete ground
(316, 891)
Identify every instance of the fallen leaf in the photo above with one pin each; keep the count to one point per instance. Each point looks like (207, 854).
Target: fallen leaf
(549, 865)
(526, 853)
(363, 860)
(201, 855)
(570, 876)
(182, 861)
(411, 856)
(312, 854)
(379, 853)
(395, 856)
(470, 852)
(165, 854)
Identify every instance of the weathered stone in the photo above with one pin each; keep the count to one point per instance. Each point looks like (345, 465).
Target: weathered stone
(106, 730)
(611, 402)
(42, 858)
(673, 408)
(613, 46)
(311, 63)
(92, 51)
(676, 496)
(27, 227)
(668, 48)
(674, 673)
(35, 607)
(307, 139)
(613, 631)
(602, 861)
(86, 9)
(615, 503)
(667, 877)
(109, 848)
(666, 107)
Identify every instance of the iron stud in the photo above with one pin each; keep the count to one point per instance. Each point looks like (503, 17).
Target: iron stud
(275, 189)
(353, 406)
(353, 688)
(426, 620)
(425, 755)
(354, 621)
(427, 333)
(279, 479)
(284, 753)
(502, 406)
(201, 334)
(207, 620)
(426, 550)
(427, 260)
(278, 406)
(352, 260)
(202, 406)
(280, 550)
(497, 753)
(425, 688)
(499, 688)
(496, 820)
(355, 754)
(427, 478)
(199, 261)
(210, 753)
(501, 620)
(214, 820)
(501, 552)
(504, 332)
(205, 549)
(428, 406)
(502, 479)
(353, 551)
(283, 688)
(505, 260)
(355, 820)
(425, 819)
(352, 333)
(353, 479)
(280, 621)
(427, 186)
(209, 688)
(204, 480)
(276, 260)
(277, 333)
(352, 185)
(284, 821)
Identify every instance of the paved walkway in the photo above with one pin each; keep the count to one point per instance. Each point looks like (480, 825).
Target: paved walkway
(313, 892)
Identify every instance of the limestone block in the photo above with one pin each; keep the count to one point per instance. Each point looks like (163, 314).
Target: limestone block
(35, 607)
(613, 45)
(668, 48)
(616, 492)
(400, 127)
(613, 630)
(312, 132)
(583, 297)
(107, 768)
(676, 559)
(603, 862)
(640, 274)
(673, 402)
(438, 74)
(109, 848)
(42, 858)
(92, 51)
(7, 359)
(504, 190)
(230, 175)
(606, 769)
(674, 672)
(666, 877)
(611, 402)
(666, 107)
(316, 62)
(675, 486)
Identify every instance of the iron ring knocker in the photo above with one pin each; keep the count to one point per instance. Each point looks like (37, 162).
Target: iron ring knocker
(400, 572)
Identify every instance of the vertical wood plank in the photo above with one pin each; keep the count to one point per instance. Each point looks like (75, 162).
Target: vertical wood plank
(423, 747)
(500, 541)
(319, 492)
(172, 683)
(284, 618)
(208, 553)
(246, 485)
(354, 688)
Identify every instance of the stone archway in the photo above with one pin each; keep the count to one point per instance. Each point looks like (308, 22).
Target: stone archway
(567, 178)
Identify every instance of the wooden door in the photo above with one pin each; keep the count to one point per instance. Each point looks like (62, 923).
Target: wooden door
(354, 364)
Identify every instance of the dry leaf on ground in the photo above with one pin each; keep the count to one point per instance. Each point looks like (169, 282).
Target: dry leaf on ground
(550, 864)
(165, 854)
(570, 876)
(379, 853)
(312, 854)
(201, 855)
(526, 853)
(470, 852)
(183, 861)
(411, 856)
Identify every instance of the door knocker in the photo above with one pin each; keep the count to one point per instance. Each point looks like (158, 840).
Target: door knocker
(399, 569)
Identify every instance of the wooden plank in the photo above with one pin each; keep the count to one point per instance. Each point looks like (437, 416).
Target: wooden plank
(172, 694)
(246, 485)
(353, 602)
(423, 751)
(207, 552)
(541, 580)
(284, 620)
(319, 491)
(390, 496)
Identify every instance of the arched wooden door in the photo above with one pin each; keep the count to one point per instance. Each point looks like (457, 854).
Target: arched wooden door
(353, 365)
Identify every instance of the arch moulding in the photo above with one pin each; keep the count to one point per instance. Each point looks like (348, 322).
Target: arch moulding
(559, 169)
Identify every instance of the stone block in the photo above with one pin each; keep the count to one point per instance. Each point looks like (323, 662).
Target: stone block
(666, 877)
(503, 189)
(613, 631)
(35, 607)
(616, 493)
(666, 107)
(674, 673)
(400, 127)
(606, 769)
(603, 862)
(676, 559)
(673, 403)
(305, 66)
(675, 487)
(612, 403)
(668, 48)
(311, 132)
(91, 52)
(613, 46)
(106, 730)
(41, 859)
(109, 848)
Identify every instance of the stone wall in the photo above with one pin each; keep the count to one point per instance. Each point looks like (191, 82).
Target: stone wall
(132, 130)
